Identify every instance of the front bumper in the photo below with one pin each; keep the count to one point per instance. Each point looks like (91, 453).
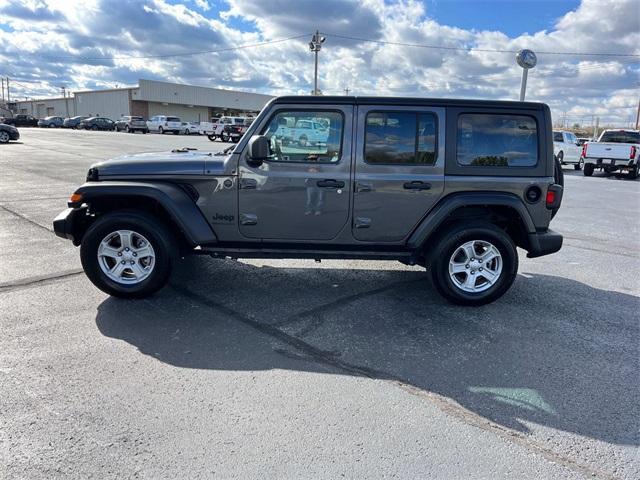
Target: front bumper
(14, 135)
(69, 224)
(544, 243)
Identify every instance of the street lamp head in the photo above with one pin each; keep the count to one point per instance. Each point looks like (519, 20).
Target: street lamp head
(526, 59)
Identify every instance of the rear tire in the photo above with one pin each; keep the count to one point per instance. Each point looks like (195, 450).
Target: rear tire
(634, 172)
(448, 246)
(588, 169)
(159, 238)
(160, 130)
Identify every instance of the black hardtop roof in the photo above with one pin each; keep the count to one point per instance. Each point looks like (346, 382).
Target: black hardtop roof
(407, 101)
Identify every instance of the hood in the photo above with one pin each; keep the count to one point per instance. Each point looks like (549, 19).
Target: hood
(181, 162)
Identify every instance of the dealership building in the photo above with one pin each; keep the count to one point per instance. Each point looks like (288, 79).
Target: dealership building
(149, 98)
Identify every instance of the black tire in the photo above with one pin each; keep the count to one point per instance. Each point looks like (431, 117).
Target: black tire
(560, 157)
(94, 128)
(580, 165)
(161, 130)
(224, 137)
(634, 172)
(128, 129)
(448, 241)
(588, 169)
(302, 141)
(211, 138)
(158, 235)
(4, 137)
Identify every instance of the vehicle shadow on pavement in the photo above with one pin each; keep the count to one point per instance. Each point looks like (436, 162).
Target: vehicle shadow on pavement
(553, 352)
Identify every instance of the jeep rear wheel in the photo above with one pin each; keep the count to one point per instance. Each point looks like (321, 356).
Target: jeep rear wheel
(473, 264)
(128, 254)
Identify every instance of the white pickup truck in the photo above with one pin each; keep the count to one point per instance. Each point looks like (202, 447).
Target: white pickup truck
(615, 150)
(305, 132)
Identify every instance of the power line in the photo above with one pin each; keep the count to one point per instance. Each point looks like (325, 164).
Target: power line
(169, 55)
(474, 49)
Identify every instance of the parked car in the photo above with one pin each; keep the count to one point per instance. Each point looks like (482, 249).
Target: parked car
(457, 197)
(20, 120)
(583, 140)
(615, 150)
(163, 123)
(72, 122)
(51, 122)
(8, 132)
(229, 129)
(567, 149)
(97, 123)
(191, 128)
(131, 124)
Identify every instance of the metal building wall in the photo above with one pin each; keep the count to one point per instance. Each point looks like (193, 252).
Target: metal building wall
(47, 107)
(186, 114)
(174, 93)
(106, 103)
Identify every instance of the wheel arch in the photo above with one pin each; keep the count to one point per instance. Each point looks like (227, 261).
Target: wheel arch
(502, 209)
(170, 202)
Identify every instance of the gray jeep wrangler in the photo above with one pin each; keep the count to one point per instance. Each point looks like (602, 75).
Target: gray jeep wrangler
(452, 185)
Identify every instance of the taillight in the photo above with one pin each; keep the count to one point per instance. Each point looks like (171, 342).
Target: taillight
(632, 155)
(551, 197)
(584, 150)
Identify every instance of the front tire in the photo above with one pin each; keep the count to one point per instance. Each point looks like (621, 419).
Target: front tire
(144, 244)
(473, 263)
(4, 137)
(160, 130)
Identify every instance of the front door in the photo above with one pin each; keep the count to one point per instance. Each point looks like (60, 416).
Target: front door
(301, 192)
(399, 170)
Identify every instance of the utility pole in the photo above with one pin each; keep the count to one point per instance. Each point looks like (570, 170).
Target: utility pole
(346, 91)
(2, 89)
(66, 102)
(315, 45)
(638, 115)
(8, 94)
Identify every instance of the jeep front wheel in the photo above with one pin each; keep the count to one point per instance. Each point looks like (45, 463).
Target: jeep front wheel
(128, 254)
(473, 264)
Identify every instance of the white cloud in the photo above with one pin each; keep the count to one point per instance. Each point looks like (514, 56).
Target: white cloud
(55, 42)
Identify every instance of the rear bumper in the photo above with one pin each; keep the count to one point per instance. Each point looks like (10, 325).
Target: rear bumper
(611, 162)
(544, 243)
(69, 223)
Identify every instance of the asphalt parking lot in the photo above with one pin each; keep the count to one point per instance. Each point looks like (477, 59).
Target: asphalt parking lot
(292, 369)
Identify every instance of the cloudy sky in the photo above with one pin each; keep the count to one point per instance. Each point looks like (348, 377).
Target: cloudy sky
(45, 44)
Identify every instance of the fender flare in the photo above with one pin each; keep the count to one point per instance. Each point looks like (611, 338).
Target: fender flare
(180, 207)
(439, 214)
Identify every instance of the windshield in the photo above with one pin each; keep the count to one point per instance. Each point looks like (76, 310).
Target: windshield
(620, 137)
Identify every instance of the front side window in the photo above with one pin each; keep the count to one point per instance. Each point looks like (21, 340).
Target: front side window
(407, 138)
(557, 137)
(305, 136)
(490, 140)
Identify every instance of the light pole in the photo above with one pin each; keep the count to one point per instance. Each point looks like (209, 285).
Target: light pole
(526, 59)
(315, 45)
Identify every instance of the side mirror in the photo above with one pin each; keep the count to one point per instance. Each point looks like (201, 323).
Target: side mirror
(259, 150)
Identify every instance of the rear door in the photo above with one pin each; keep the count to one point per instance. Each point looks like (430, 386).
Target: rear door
(399, 172)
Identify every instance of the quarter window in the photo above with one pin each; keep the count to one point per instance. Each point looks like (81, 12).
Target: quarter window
(400, 138)
(497, 140)
(305, 136)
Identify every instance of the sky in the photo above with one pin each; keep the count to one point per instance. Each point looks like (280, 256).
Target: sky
(588, 51)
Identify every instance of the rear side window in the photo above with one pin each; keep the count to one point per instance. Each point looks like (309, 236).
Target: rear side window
(620, 137)
(400, 138)
(493, 140)
(173, 119)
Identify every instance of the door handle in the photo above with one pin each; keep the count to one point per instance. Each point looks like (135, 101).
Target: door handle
(330, 184)
(415, 185)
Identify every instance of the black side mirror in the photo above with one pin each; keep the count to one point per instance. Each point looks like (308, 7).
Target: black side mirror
(259, 150)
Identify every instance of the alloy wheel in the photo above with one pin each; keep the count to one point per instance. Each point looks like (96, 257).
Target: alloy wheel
(475, 266)
(126, 257)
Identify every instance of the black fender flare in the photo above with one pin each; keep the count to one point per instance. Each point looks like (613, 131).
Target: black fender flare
(439, 214)
(180, 207)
